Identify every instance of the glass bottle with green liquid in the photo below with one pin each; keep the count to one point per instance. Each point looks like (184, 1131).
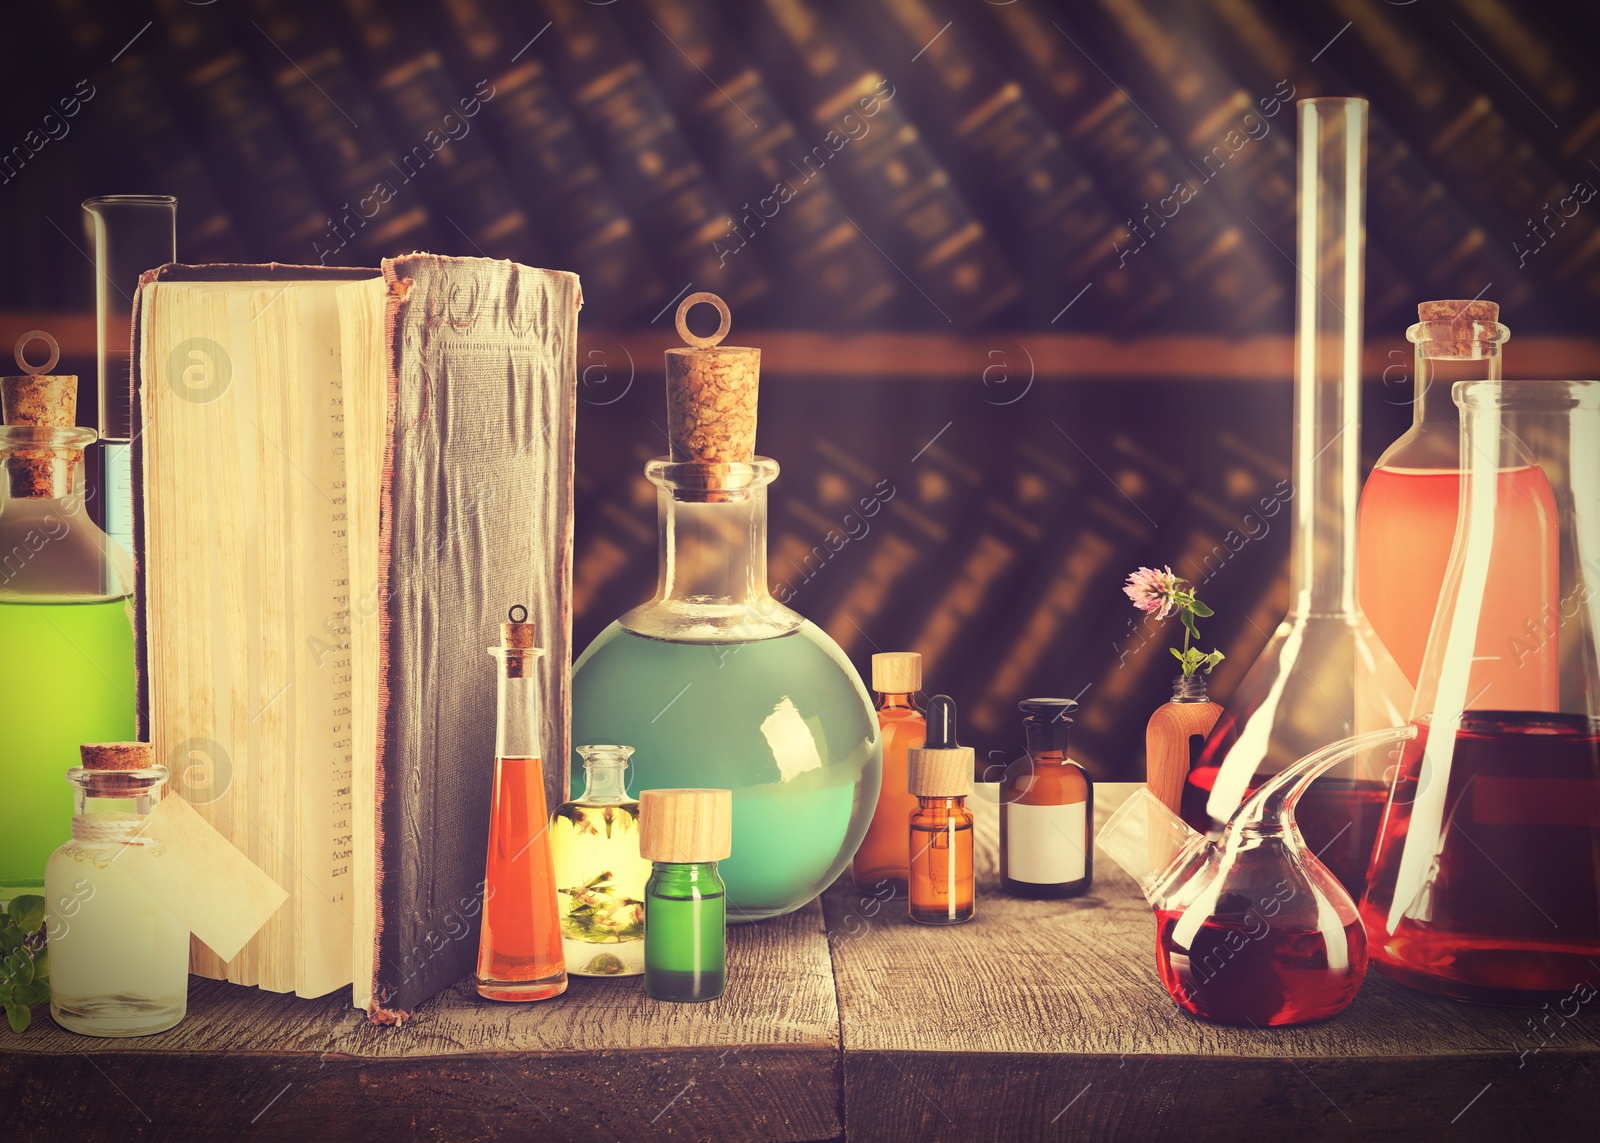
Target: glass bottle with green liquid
(684, 833)
(66, 625)
(716, 682)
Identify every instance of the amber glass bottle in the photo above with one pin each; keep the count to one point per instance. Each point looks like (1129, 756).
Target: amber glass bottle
(940, 775)
(1046, 809)
(884, 862)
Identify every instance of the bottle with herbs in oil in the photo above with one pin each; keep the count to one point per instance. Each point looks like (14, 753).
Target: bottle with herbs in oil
(600, 877)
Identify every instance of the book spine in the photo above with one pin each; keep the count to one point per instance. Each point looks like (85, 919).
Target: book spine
(1048, 209)
(1410, 210)
(1173, 218)
(213, 81)
(649, 161)
(899, 195)
(134, 123)
(344, 144)
(441, 157)
(550, 163)
(1478, 148)
(728, 109)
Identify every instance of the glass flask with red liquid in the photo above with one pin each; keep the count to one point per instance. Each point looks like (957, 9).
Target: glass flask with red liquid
(1251, 928)
(1407, 520)
(1324, 675)
(1485, 882)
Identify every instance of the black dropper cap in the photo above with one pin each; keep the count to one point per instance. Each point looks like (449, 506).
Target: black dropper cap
(941, 723)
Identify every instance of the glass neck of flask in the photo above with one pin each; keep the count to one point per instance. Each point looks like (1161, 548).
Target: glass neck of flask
(893, 700)
(1447, 352)
(516, 726)
(1047, 741)
(679, 878)
(605, 782)
(42, 463)
(112, 805)
(713, 555)
(1331, 185)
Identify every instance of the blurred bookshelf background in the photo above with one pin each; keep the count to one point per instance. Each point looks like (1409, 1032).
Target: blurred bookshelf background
(1021, 272)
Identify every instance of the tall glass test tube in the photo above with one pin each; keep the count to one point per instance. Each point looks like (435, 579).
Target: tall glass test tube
(132, 233)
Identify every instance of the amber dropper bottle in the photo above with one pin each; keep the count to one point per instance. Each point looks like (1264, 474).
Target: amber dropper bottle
(519, 948)
(941, 826)
(882, 865)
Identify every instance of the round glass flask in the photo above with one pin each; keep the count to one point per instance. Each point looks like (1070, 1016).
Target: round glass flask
(715, 682)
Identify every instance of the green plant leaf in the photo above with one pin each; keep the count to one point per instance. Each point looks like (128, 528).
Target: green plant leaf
(19, 1016)
(1212, 660)
(28, 913)
(1200, 609)
(1177, 654)
(36, 993)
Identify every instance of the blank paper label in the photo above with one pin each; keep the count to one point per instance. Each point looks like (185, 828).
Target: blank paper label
(1045, 844)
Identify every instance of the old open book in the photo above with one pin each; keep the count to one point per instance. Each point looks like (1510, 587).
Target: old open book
(347, 477)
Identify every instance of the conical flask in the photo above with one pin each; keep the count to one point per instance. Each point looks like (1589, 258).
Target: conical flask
(1324, 675)
(1485, 882)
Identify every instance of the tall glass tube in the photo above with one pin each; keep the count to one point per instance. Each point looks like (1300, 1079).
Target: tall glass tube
(1324, 675)
(132, 233)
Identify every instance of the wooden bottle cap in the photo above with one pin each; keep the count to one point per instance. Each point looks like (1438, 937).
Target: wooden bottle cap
(940, 773)
(711, 393)
(685, 825)
(117, 755)
(897, 672)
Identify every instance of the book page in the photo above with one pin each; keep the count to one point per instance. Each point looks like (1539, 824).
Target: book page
(247, 601)
(366, 402)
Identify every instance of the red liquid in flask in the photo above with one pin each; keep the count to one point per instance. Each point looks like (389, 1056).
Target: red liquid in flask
(1250, 971)
(1338, 817)
(1508, 910)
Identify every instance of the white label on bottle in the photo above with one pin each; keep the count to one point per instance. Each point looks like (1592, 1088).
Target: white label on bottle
(1045, 844)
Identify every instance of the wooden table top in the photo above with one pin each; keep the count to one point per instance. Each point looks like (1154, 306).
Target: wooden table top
(1037, 1020)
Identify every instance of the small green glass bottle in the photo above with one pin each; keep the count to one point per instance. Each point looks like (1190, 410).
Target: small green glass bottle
(684, 833)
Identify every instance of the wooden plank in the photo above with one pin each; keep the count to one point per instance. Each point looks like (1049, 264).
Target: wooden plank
(994, 1028)
(603, 1061)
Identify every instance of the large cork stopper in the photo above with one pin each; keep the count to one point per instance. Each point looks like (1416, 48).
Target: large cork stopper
(711, 393)
(517, 640)
(117, 755)
(897, 672)
(685, 826)
(41, 400)
(1464, 338)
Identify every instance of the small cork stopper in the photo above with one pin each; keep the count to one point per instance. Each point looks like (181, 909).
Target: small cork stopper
(897, 672)
(117, 755)
(685, 825)
(711, 393)
(1465, 339)
(1458, 310)
(45, 400)
(939, 773)
(519, 637)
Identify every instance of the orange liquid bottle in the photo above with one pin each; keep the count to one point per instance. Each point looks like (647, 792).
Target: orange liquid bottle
(1408, 517)
(940, 830)
(519, 946)
(882, 865)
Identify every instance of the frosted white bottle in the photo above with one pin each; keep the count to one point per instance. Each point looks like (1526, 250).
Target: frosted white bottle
(119, 961)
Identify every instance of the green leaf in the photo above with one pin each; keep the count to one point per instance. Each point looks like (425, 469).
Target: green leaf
(36, 993)
(1177, 654)
(1200, 609)
(28, 913)
(19, 1016)
(1212, 660)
